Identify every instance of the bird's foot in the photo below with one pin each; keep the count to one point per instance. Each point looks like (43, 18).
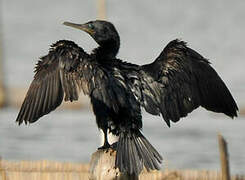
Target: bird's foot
(105, 146)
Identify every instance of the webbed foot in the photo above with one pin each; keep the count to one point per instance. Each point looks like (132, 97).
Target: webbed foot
(105, 146)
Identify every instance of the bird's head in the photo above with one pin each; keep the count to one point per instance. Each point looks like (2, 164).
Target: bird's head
(101, 31)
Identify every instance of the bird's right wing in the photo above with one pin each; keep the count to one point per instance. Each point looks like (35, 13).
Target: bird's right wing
(56, 75)
(179, 81)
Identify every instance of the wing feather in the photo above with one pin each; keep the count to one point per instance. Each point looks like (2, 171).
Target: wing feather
(179, 81)
(56, 75)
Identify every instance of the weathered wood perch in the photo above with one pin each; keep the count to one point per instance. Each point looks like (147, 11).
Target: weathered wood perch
(102, 167)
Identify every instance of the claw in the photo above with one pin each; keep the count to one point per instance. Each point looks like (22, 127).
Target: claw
(105, 146)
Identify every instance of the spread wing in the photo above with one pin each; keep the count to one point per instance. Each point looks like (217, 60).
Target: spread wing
(57, 76)
(179, 81)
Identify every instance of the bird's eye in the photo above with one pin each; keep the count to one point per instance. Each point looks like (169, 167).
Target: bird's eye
(91, 26)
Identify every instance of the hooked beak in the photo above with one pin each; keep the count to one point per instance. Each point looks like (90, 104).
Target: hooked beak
(83, 27)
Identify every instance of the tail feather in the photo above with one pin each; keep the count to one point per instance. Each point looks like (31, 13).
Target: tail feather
(134, 151)
(157, 156)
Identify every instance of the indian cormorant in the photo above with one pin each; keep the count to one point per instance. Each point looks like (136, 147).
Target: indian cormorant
(177, 82)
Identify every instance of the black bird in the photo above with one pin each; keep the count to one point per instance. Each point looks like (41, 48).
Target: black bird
(177, 82)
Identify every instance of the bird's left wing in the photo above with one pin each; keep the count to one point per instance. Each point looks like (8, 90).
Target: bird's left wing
(56, 75)
(179, 81)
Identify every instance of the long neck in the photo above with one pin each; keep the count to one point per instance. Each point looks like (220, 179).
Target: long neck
(107, 50)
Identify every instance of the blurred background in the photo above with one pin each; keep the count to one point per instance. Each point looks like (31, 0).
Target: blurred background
(213, 28)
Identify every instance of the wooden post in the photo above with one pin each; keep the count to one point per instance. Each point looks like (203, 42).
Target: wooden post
(102, 167)
(224, 158)
(2, 92)
(2, 95)
(101, 8)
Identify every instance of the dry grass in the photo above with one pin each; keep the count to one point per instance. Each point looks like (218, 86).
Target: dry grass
(42, 170)
(49, 170)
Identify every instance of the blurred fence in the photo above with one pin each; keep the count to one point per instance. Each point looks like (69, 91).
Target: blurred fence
(2, 93)
(49, 170)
